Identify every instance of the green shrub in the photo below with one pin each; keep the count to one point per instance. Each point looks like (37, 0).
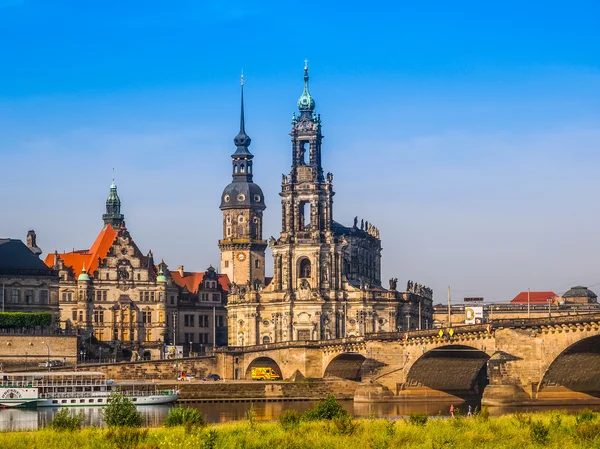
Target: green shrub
(327, 409)
(251, 417)
(210, 440)
(587, 430)
(585, 415)
(64, 421)
(182, 416)
(522, 419)
(539, 432)
(483, 414)
(390, 427)
(121, 412)
(126, 437)
(290, 419)
(25, 319)
(343, 425)
(418, 419)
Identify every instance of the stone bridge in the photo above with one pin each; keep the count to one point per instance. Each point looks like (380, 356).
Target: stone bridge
(510, 361)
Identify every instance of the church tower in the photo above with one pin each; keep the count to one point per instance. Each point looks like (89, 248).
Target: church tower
(242, 202)
(113, 214)
(307, 255)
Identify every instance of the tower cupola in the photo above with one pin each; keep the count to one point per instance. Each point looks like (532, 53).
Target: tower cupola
(113, 214)
(306, 103)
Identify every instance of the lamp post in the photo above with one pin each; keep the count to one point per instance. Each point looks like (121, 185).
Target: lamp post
(191, 343)
(48, 360)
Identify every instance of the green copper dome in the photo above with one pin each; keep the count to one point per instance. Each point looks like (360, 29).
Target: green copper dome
(161, 276)
(84, 276)
(306, 103)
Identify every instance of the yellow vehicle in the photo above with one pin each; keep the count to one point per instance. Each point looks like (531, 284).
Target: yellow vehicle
(265, 373)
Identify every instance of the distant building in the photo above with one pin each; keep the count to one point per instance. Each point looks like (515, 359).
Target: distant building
(26, 283)
(535, 298)
(580, 295)
(115, 292)
(202, 318)
(327, 277)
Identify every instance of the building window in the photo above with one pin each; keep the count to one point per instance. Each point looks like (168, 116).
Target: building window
(204, 296)
(172, 299)
(139, 277)
(74, 316)
(98, 296)
(99, 316)
(226, 264)
(81, 315)
(220, 321)
(266, 340)
(216, 297)
(161, 317)
(203, 338)
(152, 296)
(257, 263)
(14, 295)
(305, 268)
(104, 295)
(149, 335)
(107, 276)
(203, 321)
(228, 232)
(188, 320)
(147, 317)
(241, 219)
(43, 296)
(2, 295)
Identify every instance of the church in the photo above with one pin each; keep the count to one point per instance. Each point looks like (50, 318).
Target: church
(327, 277)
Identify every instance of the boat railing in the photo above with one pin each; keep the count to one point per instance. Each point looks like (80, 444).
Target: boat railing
(69, 395)
(51, 383)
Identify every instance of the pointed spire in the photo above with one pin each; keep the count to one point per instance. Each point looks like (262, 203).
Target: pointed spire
(242, 140)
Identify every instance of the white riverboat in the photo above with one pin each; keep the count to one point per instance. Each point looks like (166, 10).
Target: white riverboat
(75, 388)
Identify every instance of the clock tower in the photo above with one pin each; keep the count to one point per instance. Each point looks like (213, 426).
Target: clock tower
(242, 202)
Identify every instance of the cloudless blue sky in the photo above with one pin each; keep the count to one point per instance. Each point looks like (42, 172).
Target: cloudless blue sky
(468, 132)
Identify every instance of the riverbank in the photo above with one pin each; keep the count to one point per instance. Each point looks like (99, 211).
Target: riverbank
(519, 431)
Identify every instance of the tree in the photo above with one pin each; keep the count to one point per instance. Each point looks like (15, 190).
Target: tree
(121, 412)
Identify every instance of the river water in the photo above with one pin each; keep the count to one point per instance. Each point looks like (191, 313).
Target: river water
(31, 419)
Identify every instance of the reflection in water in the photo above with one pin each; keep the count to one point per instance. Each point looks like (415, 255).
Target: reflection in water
(31, 419)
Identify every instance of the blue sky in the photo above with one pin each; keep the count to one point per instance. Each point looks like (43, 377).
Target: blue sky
(468, 132)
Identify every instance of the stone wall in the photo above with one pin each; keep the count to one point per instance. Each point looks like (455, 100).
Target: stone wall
(28, 351)
(156, 369)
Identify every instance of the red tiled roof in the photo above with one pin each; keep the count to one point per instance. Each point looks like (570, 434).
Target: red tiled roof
(534, 298)
(192, 280)
(88, 258)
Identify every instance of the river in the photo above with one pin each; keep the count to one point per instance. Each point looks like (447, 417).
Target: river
(31, 419)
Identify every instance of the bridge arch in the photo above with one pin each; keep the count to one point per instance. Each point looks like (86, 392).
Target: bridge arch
(263, 362)
(346, 366)
(456, 369)
(576, 368)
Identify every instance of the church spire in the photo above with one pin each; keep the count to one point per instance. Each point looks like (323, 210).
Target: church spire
(242, 140)
(113, 214)
(242, 158)
(306, 103)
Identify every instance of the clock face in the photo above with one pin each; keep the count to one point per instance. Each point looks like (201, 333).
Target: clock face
(241, 257)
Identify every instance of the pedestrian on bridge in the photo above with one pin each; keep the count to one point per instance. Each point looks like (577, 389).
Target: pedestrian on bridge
(470, 412)
(452, 410)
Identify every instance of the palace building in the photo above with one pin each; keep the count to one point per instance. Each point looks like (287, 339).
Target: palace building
(327, 277)
(119, 295)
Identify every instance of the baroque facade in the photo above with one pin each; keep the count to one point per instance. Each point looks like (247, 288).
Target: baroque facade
(327, 277)
(125, 299)
(113, 290)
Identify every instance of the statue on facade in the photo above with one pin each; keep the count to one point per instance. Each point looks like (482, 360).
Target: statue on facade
(304, 291)
(393, 284)
(362, 224)
(329, 177)
(355, 222)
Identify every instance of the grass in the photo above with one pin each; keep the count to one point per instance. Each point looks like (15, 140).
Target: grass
(520, 431)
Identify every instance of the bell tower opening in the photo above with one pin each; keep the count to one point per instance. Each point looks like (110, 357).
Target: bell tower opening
(304, 269)
(304, 152)
(304, 216)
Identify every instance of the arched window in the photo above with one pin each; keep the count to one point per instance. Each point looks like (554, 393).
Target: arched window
(235, 169)
(304, 268)
(266, 340)
(242, 169)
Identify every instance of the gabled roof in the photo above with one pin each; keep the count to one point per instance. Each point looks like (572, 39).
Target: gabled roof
(16, 256)
(192, 280)
(88, 257)
(534, 298)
